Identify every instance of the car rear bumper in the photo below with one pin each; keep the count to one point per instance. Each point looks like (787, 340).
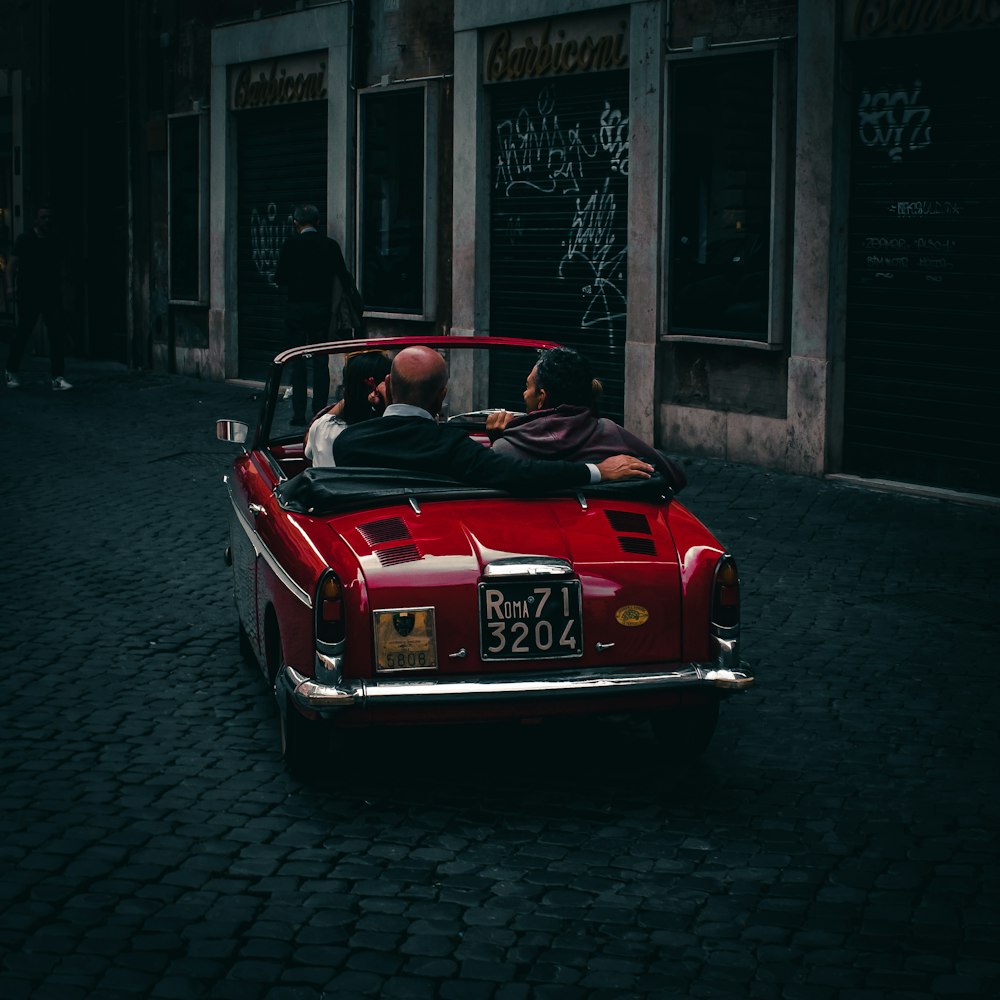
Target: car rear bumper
(317, 697)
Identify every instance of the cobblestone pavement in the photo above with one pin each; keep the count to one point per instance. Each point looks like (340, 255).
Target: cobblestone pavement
(838, 840)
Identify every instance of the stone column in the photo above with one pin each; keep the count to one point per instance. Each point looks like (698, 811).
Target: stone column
(818, 242)
(645, 243)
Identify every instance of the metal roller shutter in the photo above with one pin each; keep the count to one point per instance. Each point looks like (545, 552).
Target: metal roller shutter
(559, 217)
(923, 306)
(281, 162)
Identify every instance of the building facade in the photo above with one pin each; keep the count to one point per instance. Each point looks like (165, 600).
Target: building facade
(63, 111)
(767, 223)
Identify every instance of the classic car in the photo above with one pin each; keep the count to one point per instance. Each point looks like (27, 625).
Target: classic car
(374, 597)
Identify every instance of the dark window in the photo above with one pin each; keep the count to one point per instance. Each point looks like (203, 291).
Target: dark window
(187, 230)
(392, 194)
(720, 196)
(6, 190)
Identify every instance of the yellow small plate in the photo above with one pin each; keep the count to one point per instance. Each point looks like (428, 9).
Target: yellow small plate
(632, 615)
(405, 639)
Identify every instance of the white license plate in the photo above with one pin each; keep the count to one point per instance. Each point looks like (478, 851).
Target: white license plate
(530, 620)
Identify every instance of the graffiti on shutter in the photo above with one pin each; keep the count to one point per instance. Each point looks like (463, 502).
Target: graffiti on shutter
(560, 217)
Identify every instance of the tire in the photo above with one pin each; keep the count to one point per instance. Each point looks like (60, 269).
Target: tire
(686, 731)
(246, 647)
(306, 744)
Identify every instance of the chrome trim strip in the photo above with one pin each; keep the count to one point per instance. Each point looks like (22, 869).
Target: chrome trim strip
(279, 472)
(527, 566)
(601, 681)
(248, 528)
(264, 552)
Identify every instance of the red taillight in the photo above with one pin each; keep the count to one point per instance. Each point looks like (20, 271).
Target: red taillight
(726, 594)
(330, 610)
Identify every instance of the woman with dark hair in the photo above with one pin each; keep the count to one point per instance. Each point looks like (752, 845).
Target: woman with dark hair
(364, 374)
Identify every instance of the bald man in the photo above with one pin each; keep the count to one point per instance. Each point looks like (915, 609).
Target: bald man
(409, 436)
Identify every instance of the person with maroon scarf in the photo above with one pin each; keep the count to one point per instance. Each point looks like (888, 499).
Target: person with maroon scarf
(561, 420)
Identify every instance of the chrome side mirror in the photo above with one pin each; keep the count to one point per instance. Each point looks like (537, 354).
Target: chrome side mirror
(233, 431)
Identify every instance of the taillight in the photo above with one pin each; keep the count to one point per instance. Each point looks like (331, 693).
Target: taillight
(330, 609)
(726, 594)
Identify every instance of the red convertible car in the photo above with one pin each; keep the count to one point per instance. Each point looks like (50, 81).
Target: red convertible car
(373, 597)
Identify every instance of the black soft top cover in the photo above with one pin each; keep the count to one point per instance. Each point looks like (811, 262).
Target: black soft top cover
(335, 490)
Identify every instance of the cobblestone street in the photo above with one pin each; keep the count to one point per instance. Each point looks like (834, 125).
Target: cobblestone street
(838, 841)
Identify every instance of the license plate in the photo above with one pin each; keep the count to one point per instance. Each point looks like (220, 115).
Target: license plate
(404, 639)
(530, 620)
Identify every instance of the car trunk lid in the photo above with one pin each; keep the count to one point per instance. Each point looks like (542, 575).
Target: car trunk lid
(470, 558)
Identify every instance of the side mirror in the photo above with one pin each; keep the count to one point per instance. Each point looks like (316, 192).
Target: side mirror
(233, 431)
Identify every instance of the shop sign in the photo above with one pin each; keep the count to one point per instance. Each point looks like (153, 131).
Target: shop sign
(555, 47)
(289, 80)
(901, 18)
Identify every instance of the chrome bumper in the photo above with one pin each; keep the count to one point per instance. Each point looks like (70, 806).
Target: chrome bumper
(310, 694)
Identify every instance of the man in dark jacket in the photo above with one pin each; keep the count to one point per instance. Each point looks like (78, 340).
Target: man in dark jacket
(408, 436)
(310, 266)
(561, 420)
(37, 265)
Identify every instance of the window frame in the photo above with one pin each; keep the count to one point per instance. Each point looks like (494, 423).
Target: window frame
(428, 308)
(777, 306)
(202, 219)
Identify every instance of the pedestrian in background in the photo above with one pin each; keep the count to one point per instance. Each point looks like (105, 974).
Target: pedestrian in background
(312, 271)
(35, 271)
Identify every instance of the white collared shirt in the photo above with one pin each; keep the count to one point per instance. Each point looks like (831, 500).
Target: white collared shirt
(406, 410)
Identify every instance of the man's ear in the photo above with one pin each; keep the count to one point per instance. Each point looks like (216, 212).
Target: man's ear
(439, 402)
(388, 389)
(542, 397)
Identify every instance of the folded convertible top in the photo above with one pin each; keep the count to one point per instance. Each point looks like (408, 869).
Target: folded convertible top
(334, 490)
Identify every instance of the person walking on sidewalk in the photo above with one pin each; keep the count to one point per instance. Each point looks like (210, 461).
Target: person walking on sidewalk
(311, 268)
(35, 270)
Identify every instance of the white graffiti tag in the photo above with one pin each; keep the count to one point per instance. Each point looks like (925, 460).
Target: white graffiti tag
(536, 151)
(894, 121)
(591, 242)
(267, 234)
(614, 138)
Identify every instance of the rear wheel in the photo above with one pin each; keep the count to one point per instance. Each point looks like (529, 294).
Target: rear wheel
(305, 743)
(686, 730)
(246, 647)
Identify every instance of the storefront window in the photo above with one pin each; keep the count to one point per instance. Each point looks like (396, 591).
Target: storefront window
(393, 198)
(720, 182)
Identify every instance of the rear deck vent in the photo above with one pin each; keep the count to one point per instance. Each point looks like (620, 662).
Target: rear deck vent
(623, 520)
(637, 546)
(398, 554)
(388, 529)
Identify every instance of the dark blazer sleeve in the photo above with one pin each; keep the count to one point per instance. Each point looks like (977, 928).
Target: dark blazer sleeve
(423, 446)
(472, 463)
